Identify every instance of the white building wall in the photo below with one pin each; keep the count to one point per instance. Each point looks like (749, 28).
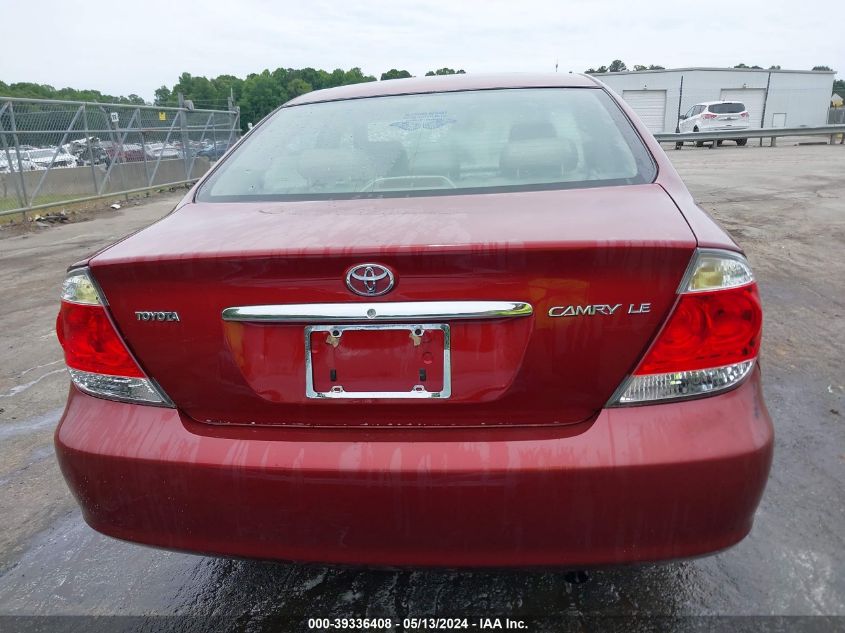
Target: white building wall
(804, 98)
(794, 98)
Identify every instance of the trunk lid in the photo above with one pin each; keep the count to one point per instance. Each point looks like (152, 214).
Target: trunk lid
(600, 268)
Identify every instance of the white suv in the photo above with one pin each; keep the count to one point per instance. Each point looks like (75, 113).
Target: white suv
(712, 116)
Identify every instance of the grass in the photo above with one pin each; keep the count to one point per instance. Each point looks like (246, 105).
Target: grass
(12, 202)
(64, 201)
(59, 200)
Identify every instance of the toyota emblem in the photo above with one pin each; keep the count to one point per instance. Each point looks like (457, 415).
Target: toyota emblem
(370, 280)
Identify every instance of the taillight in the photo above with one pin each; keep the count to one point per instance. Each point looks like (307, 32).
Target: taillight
(744, 115)
(711, 339)
(97, 358)
(708, 115)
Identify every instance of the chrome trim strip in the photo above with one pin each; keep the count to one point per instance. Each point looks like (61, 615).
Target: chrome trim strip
(417, 393)
(378, 311)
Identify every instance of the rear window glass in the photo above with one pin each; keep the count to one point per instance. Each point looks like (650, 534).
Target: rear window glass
(727, 108)
(435, 144)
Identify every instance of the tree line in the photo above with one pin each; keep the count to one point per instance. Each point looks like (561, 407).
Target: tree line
(26, 90)
(618, 66)
(257, 95)
(260, 93)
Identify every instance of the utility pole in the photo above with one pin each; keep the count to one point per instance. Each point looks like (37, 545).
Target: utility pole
(183, 128)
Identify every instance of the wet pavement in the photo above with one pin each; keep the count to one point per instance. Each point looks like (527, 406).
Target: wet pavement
(783, 205)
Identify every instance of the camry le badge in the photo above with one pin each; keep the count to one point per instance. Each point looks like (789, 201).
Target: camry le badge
(370, 280)
(599, 308)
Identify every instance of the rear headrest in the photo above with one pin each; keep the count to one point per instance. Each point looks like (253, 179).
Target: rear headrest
(388, 157)
(532, 130)
(539, 157)
(326, 166)
(434, 161)
(609, 156)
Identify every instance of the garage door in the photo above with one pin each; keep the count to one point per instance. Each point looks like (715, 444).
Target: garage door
(650, 106)
(753, 98)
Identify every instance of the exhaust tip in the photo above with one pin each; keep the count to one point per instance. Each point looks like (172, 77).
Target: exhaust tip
(576, 577)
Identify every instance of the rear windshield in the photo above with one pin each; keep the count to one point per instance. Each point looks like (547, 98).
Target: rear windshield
(435, 144)
(727, 108)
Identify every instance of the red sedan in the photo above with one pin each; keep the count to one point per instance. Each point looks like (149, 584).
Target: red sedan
(449, 321)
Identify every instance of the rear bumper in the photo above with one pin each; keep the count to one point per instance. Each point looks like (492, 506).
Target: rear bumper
(723, 128)
(635, 484)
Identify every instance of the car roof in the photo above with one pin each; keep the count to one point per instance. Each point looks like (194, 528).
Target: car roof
(447, 83)
(708, 103)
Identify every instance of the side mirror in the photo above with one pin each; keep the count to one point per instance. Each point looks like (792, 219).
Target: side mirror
(683, 116)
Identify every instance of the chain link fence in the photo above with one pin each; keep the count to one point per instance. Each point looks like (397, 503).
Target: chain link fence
(836, 116)
(60, 152)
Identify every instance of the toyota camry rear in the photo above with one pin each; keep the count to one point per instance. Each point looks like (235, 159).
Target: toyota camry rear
(451, 321)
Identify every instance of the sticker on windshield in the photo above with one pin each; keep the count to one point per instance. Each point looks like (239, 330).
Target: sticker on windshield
(428, 120)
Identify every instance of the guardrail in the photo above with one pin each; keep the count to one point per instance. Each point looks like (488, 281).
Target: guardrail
(761, 133)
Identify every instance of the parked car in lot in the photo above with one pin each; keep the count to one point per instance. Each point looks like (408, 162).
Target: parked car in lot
(214, 151)
(125, 153)
(162, 150)
(87, 151)
(12, 162)
(194, 148)
(51, 158)
(715, 116)
(456, 321)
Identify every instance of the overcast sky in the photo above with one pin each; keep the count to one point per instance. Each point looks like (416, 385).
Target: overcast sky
(123, 48)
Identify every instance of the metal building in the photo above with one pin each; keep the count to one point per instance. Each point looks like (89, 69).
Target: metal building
(773, 98)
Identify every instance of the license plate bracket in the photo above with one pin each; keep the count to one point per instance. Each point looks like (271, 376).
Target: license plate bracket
(378, 361)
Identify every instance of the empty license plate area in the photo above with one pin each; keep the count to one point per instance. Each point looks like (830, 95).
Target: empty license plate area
(377, 361)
